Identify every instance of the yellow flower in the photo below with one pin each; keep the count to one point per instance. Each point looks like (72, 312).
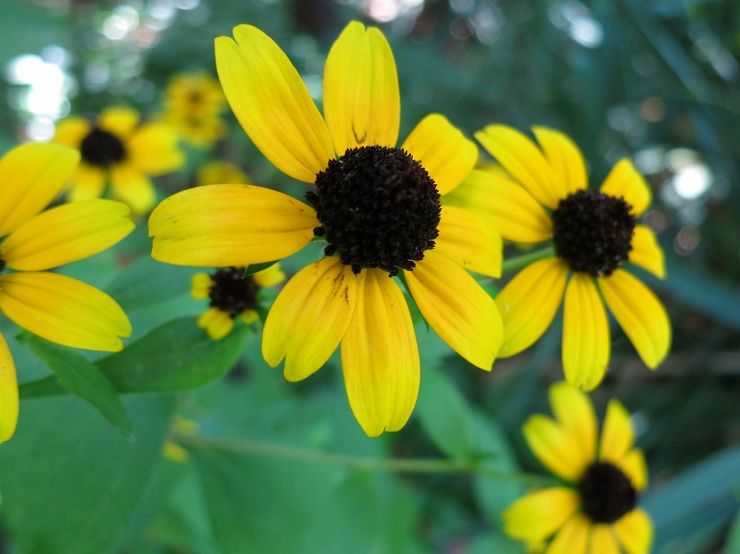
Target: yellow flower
(231, 295)
(221, 173)
(52, 306)
(541, 193)
(193, 106)
(116, 148)
(597, 512)
(377, 207)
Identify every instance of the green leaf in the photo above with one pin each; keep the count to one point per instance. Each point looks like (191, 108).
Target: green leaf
(146, 282)
(494, 542)
(255, 268)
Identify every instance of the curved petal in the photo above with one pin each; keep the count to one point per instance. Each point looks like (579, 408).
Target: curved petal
(626, 182)
(229, 225)
(646, 252)
(572, 537)
(640, 314)
(216, 323)
(71, 131)
(617, 436)
(470, 241)
(442, 149)
(603, 540)
(309, 317)
(521, 158)
(200, 286)
(362, 104)
(528, 303)
(634, 466)
(270, 276)
(555, 447)
(272, 104)
(66, 234)
(512, 210)
(119, 120)
(575, 413)
(586, 341)
(380, 357)
(457, 308)
(64, 310)
(87, 183)
(8, 393)
(153, 149)
(133, 187)
(537, 515)
(565, 159)
(635, 532)
(31, 176)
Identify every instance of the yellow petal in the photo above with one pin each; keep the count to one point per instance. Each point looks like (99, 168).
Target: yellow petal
(457, 308)
(380, 358)
(87, 183)
(362, 105)
(120, 121)
(66, 234)
(64, 310)
(512, 210)
(31, 176)
(603, 540)
(216, 323)
(470, 241)
(8, 393)
(586, 342)
(537, 515)
(229, 225)
(133, 187)
(624, 181)
(646, 252)
(310, 317)
(270, 276)
(565, 159)
(446, 154)
(153, 149)
(200, 286)
(633, 465)
(555, 447)
(617, 436)
(71, 131)
(272, 104)
(640, 314)
(250, 316)
(575, 412)
(523, 160)
(572, 538)
(635, 532)
(528, 303)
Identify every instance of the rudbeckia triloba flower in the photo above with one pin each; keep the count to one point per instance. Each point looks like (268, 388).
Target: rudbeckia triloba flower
(231, 296)
(193, 106)
(539, 193)
(597, 512)
(115, 149)
(221, 173)
(52, 306)
(378, 208)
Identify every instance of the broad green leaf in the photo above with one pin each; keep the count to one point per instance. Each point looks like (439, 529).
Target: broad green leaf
(494, 543)
(146, 282)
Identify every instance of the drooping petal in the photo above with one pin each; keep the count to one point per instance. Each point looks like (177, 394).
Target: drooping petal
(470, 241)
(640, 314)
(572, 537)
(565, 159)
(380, 357)
(64, 310)
(270, 276)
(617, 436)
(575, 413)
(133, 187)
(626, 182)
(272, 104)
(8, 393)
(528, 303)
(229, 225)
(521, 158)
(216, 323)
(646, 252)
(87, 183)
(66, 234)
(362, 104)
(555, 447)
(457, 308)
(309, 317)
(635, 532)
(31, 176)
(603, 540)
(119, 120)
(634, 466)
(153, 150)
(586, 342)
(200, 286)
(442, 149)
(71, 131)
(537, 515)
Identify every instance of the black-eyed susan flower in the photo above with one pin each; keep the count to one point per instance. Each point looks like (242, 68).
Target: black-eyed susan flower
(377, 207)
(597, 511)
(540, 193)
(220, 172)
(53, 306)
(231, 296)
(116, 149)
(193, 106)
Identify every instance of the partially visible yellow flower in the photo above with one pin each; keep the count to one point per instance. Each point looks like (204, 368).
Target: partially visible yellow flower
(597, 511)
(115, 149)
(220, 172)
(193, 105)
(231, 296)
(52, 306)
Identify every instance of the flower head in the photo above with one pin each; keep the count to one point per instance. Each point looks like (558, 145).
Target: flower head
(193, 106)
(379, 208)
(597, 511)
(116, 149)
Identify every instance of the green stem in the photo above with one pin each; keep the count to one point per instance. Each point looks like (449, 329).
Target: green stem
(518, 262)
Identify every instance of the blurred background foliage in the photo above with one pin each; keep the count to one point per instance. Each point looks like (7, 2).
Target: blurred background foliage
(250, 463)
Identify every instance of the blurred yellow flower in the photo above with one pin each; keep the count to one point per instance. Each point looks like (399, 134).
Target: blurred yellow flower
(52, 306)
(116, 149)
(221, 173)
(193, 106)
(597, 512)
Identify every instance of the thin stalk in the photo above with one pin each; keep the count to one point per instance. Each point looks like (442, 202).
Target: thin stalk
(518, 262)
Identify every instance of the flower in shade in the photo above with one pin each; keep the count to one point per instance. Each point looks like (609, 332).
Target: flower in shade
(231, 296)
(597, 511)
(193, 106)
(540, 193)
(116, 149)
(220, 172)
(53, 306)
(378, 207)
